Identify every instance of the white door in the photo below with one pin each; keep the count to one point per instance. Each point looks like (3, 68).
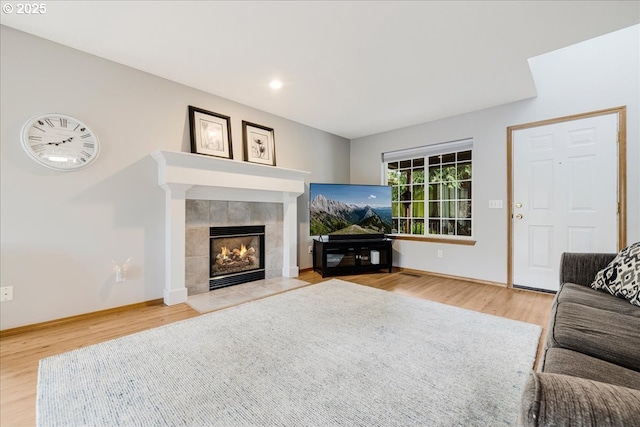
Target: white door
(564, 195)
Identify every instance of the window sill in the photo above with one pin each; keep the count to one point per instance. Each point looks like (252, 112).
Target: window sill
(447, 240)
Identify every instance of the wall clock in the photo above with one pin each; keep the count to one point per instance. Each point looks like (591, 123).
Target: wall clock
(60, 142)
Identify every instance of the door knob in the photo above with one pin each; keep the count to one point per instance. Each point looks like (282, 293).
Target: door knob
(519, 216)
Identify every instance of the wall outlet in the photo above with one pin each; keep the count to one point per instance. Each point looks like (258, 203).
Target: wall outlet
(440, 254)
(6, 293)
(310, 249)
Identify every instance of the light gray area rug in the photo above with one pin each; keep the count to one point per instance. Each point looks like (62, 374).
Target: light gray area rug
(331, 354)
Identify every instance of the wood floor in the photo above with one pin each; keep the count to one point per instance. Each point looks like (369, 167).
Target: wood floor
(20, 353)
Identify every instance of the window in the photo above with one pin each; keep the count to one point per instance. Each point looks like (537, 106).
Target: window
(431, 189)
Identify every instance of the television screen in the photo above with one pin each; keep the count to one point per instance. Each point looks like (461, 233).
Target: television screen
(349, 209)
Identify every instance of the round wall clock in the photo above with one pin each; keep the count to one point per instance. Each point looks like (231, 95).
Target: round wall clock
(60, 142)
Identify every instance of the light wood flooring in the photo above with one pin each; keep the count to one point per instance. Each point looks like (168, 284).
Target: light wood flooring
(20, 353)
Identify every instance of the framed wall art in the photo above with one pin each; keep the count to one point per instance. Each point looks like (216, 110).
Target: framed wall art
(210, 133)
(259, 144)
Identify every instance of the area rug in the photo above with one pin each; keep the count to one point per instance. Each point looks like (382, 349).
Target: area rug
(330, 354)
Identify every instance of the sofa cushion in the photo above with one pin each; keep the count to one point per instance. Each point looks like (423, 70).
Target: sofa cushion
(580, 294)
(602, 334)
(568, 362)
(561, 400)
(621, 277)
(581, 268)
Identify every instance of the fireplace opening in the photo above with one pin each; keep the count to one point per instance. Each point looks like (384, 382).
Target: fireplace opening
(236, 255)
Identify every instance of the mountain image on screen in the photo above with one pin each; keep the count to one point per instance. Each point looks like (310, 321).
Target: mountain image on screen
(329, 216)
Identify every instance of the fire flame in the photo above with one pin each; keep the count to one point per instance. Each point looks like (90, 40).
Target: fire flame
(226, 252)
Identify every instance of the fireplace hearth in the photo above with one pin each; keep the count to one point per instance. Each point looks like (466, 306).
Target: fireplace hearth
(237, 255)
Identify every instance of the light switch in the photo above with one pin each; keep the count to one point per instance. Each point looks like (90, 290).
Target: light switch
(495, 204)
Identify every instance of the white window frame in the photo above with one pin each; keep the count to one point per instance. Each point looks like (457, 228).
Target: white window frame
(426, 152)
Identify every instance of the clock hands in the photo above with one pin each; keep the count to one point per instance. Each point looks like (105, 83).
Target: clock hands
(61, 142)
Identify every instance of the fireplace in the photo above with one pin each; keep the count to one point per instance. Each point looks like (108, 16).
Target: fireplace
(236, 255)
(194, 177)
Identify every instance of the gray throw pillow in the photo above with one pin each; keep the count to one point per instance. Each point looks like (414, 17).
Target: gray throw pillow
(621, 277)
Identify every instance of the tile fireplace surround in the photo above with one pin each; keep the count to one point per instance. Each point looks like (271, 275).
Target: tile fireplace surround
(252, 191)
(203, 214)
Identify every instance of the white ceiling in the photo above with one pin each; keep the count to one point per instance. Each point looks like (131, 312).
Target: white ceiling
(352, 68)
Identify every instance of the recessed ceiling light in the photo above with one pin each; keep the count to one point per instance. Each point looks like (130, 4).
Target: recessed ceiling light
(275, 84)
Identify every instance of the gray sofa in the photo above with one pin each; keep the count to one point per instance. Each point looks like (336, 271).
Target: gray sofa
(590, 371)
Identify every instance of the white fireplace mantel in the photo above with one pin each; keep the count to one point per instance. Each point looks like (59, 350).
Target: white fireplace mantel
(192, 176)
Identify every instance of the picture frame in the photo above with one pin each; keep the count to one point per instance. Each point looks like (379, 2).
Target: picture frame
(259, 144)
(210, 133)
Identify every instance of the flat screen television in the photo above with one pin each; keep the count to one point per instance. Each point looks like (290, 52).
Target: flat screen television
(349, 209)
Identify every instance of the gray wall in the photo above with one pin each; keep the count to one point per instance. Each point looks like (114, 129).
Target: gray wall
(593, 75)
(60, 231)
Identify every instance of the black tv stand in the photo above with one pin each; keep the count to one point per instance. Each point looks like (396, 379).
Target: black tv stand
(352, 255)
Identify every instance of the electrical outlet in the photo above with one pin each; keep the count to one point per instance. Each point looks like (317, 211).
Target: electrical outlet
(440, 254)
(310, 249)
(6, 293)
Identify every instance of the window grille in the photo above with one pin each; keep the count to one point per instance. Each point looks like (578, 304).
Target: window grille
(431, 189)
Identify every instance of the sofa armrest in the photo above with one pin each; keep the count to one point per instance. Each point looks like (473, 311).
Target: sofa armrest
(581, 268)
(562, 400)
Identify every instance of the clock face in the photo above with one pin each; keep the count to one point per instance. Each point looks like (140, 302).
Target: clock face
(60, 142)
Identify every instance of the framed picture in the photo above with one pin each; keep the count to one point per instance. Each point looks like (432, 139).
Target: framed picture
(259, 144)
(210, 133)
